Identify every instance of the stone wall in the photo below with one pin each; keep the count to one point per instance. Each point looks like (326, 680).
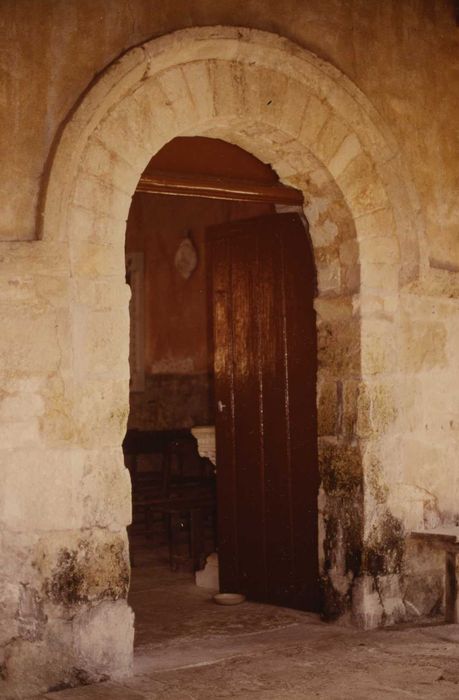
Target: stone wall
(382, 211)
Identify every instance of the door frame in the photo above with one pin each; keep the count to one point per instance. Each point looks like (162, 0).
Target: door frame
(287, 107)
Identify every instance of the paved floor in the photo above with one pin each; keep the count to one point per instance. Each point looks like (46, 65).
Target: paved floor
(188, 648)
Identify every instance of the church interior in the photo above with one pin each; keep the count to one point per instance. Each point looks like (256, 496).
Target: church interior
(230, 294)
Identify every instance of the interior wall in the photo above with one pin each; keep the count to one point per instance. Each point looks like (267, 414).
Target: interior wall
(178, 347)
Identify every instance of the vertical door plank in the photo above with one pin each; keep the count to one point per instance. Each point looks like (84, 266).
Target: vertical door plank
(301, 354)
(248, 423)
(275, 438)
(220, 261)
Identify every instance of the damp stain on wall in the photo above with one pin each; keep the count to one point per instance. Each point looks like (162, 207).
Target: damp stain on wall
(90, 572)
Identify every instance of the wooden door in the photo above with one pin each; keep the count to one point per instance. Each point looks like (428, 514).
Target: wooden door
(263, 284)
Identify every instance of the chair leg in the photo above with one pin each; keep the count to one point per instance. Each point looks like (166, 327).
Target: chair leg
(170, 539)
(196, 537)
(451, 589)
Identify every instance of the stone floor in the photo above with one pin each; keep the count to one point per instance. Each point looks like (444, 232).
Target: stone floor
(188, 648)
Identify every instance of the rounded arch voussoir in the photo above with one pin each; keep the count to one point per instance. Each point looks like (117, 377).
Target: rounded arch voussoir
(280, 101)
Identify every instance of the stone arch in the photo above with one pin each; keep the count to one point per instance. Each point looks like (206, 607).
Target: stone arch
(195, 77)
(321, 135)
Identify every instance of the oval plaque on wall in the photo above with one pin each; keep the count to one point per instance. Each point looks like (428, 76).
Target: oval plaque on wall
(186, 258)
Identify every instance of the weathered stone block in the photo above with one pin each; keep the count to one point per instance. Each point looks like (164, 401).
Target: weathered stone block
(19, 434)
(105, 490)
(349, 411)
(100, 413)
(9, 605)
(44, 665)
(349, 252)
(57, 425)
(41, 490)
(112, 132)
(422, 345)
(379, 249)
(31, 345)
(79, 567)
(377, 408)
(227, 79)
(330, 138)
(328, 408)
(316, 208)
(177, 96)
(340, 468)
(20, 407)
(101, 293)
(107, 166)
(376, 487)
(104, 638)
(425, 462)
(378, 224)
(97, 227)
(350, 279)
(349, 149)
(378, 347)
(97, 356)
(294, 105)
(329, 277)
(378, 306)
(96, 195)
(362, 187)
(316, 114)
(367, 610)
(197, 78)
(134, 125)
(339, 348)
(383, 277)
(324, 232)
(391, 598)
(330, 309)
(384, 544)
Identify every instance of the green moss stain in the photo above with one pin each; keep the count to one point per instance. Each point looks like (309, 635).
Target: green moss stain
(384, 549)
(377, 489)
(77, 677)
(340, 469)
(88, 573)
(342, 481)
(346, 552)
(335, 604)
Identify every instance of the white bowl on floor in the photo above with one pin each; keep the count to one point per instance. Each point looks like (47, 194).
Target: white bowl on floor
(229, 598)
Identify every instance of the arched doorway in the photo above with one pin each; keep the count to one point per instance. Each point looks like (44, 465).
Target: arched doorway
(241, 319)
(287, 107)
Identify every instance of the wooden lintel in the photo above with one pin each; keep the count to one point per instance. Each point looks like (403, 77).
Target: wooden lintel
(218, 188)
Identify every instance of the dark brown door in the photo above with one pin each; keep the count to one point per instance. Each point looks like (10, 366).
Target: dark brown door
(263, 285)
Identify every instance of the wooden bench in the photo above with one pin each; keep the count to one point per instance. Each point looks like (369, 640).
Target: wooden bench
(447, 539)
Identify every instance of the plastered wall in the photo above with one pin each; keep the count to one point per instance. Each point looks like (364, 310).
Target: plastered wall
(178, 344)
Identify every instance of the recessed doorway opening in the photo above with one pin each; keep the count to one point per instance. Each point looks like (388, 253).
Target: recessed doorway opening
(222, 434)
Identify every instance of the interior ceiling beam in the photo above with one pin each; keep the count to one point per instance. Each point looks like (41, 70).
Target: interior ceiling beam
(218, 188)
